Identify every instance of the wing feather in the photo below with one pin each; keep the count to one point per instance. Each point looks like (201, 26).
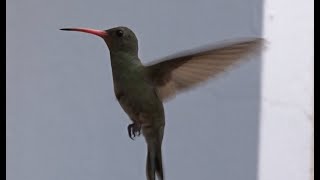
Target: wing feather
(173, 75)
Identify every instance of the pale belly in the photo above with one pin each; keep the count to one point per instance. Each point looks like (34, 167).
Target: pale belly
(142, 105)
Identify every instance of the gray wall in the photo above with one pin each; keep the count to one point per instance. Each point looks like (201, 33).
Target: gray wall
(64, 123)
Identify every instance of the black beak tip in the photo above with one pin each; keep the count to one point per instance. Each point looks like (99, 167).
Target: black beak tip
(65, 29)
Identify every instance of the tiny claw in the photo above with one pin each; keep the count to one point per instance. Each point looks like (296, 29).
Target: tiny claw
(134, 130)
(130, 131)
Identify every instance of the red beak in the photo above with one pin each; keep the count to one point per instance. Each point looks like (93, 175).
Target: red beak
(96, 32)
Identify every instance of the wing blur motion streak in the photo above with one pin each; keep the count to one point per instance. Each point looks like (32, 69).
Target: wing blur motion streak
(173, 75)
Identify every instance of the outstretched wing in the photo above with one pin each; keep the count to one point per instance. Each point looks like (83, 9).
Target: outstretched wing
(173, 75)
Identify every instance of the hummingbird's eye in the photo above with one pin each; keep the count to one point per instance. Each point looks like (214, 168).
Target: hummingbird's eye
(119, 33)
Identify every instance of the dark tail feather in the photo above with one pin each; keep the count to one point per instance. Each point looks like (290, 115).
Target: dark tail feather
(159, 169)
(154, 162)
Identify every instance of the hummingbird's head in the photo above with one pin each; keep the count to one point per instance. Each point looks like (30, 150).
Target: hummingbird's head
(118, 39)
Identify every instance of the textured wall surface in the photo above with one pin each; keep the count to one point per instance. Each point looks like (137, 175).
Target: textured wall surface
(286, 141)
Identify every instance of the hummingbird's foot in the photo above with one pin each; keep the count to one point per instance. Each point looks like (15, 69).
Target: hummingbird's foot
(134, 130)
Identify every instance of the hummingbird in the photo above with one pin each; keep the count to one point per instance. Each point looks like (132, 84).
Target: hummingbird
(141, 89)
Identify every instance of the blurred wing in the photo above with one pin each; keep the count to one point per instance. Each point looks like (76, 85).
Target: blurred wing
(173, 75)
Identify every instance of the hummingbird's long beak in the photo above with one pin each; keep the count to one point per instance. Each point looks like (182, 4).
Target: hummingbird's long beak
(96, 32)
